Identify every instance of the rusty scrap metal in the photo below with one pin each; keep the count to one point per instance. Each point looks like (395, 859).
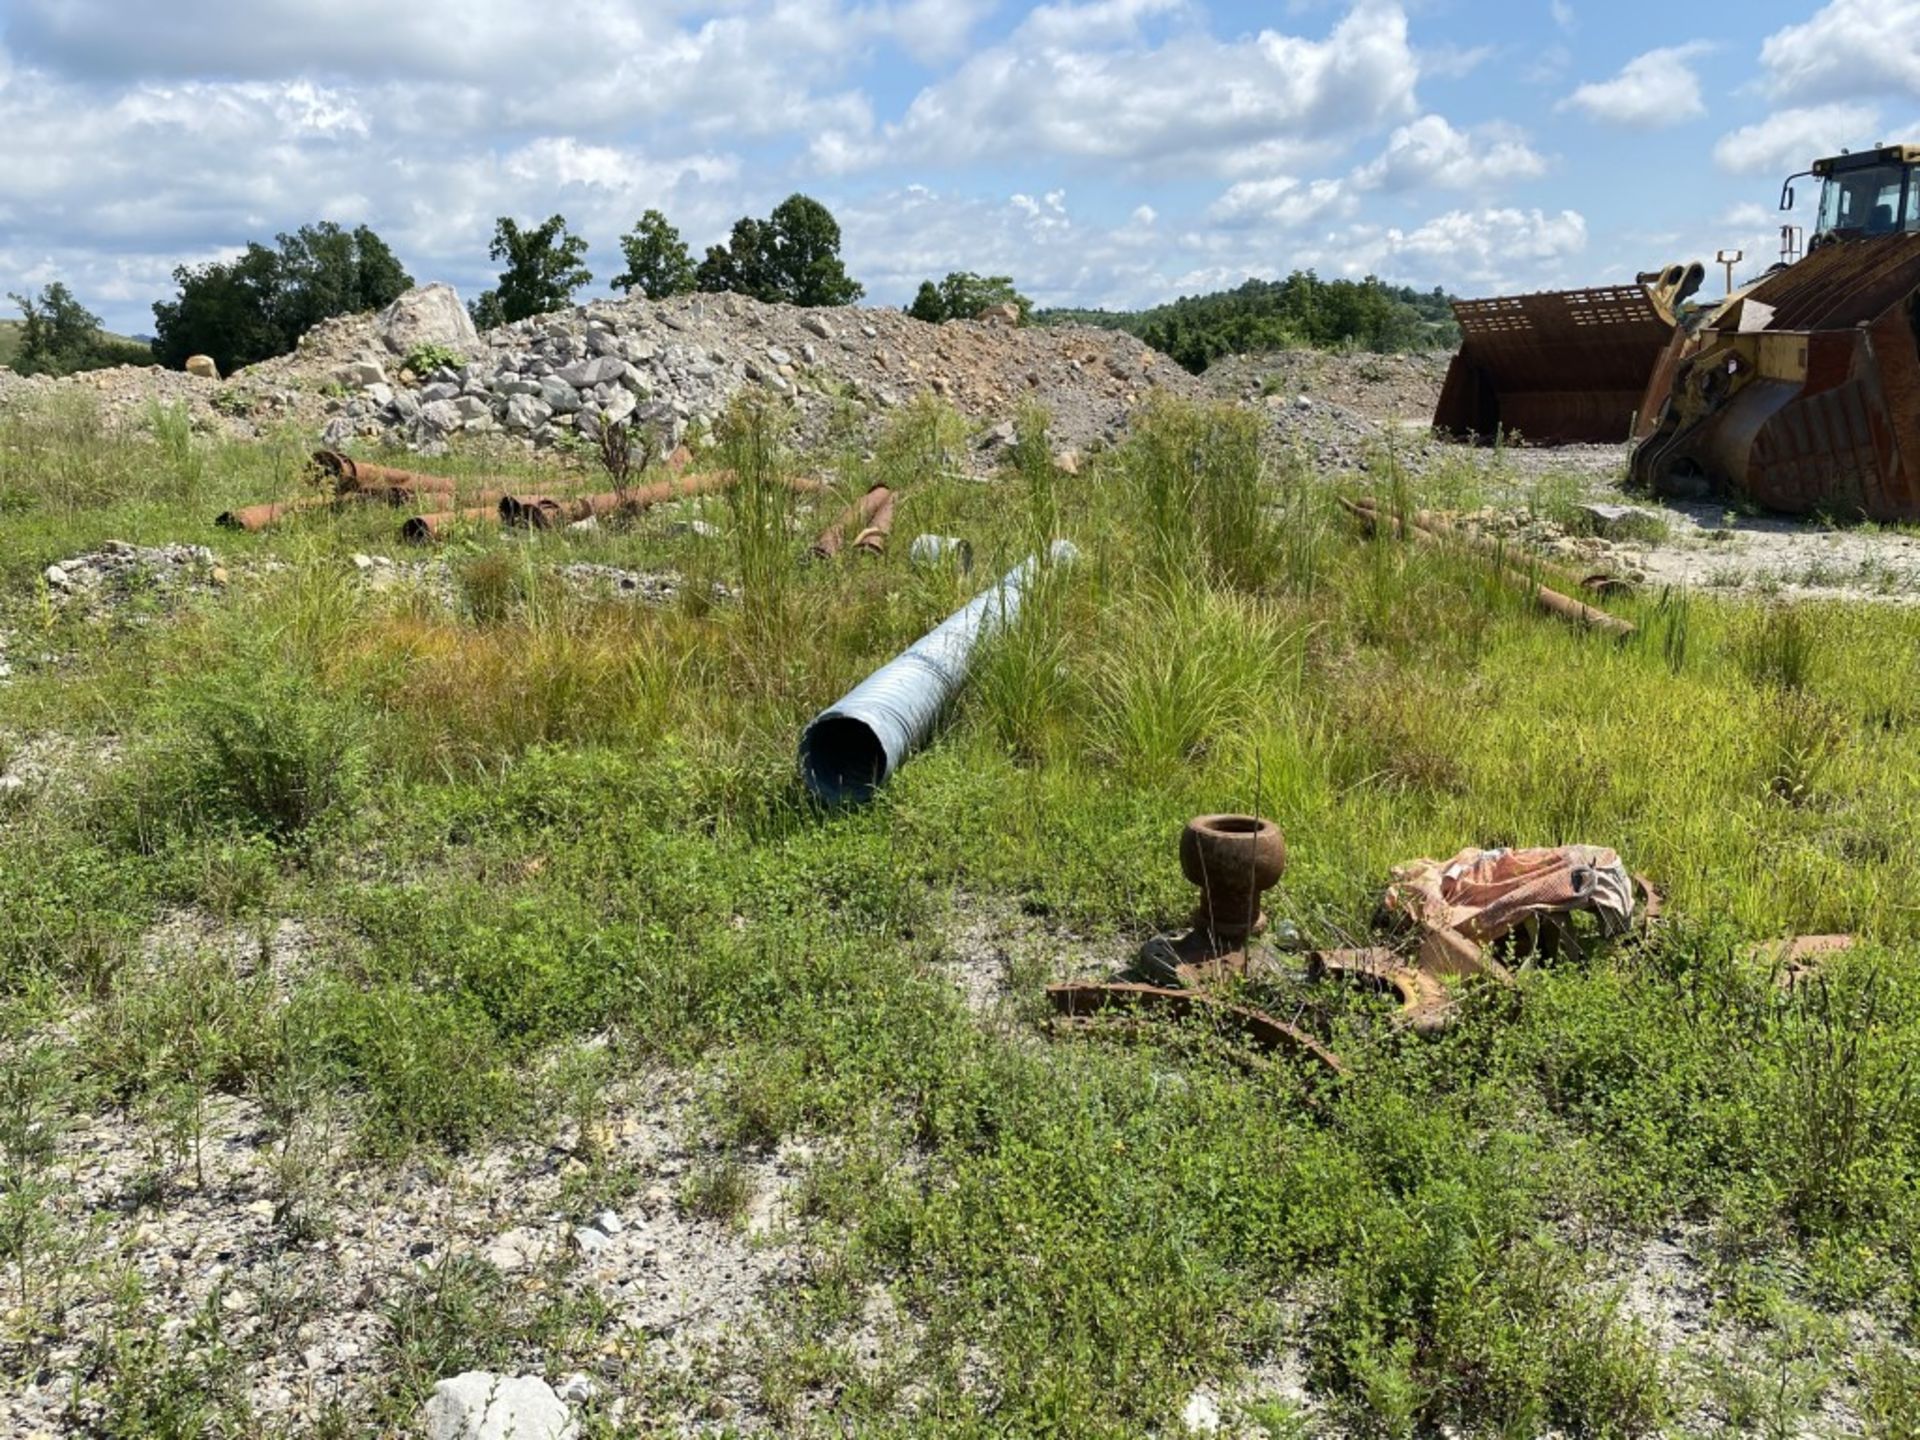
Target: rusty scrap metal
(1565, 366)
(1803, 394)
(869, 520)
(1232, 860)
(1426, 1006)
(253, 518)
(350, 476)
(1255, 1027)
(425, 529)
(1371, 515)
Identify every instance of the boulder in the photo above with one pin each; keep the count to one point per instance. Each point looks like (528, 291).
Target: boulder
(1008, 314)
(561, 398)
(429, 315)
(441, 415)
(483, 1406)
(527, 413)
(203, 366)
(361, 374)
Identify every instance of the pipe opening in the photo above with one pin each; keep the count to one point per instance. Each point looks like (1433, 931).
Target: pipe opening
(1235, 825)
(842, 759)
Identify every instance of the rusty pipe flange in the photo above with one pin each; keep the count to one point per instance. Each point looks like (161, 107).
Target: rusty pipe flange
(1425, 1005)
(1234, 860)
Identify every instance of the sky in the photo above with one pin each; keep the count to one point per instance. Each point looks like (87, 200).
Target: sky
(1110, 153)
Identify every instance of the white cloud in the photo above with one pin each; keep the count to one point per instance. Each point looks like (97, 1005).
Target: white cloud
(1562, 13)
(1490, 250)
(1431, 153)
(1788, 140)
(1282, 202)
(1653, 90)
(1849, 50)
(1085, 82)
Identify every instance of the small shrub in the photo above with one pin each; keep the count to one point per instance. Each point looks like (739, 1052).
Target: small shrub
(425, 359)
(1778, 645)
(257, 747)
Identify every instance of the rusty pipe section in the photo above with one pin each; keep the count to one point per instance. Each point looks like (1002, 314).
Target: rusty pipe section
(351, 477)
(547, 512)
(424, 529)
(254, 518)
(869, 520)
(1553, 602)
(852, 748)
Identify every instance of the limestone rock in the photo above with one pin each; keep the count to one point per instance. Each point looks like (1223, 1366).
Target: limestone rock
(429, 315)
(482, 1406)
(203, 366)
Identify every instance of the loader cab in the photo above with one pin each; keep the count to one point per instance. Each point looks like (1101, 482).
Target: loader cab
(1874, 192)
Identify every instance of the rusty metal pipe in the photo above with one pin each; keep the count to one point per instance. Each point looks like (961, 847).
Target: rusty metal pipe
(1551, 601)
(874, 538)
(254, 518)
(859, 519)
(424, 529)
(350, 476)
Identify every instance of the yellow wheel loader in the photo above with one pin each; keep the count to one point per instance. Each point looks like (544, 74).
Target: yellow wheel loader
(1799, 393)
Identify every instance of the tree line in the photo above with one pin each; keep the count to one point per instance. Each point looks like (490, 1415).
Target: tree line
(259, 304)
(1301, 310)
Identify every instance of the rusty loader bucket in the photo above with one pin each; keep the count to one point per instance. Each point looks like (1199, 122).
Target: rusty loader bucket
(1561, 367)
(1803, 395)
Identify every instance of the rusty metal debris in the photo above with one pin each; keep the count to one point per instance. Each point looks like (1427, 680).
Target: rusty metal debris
(1562, 367)
(1426, 1005)
(259, 517)
(1232, 860)
(1518, 571)
(424, 529)
(1257, 1028)
(869, 520)
(1803, 394)
(350, 476)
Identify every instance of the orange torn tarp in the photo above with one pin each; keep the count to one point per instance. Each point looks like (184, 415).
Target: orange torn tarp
(1479, 897)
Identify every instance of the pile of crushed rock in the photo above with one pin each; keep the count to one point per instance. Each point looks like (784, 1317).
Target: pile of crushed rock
(675, 365)
(418, 376)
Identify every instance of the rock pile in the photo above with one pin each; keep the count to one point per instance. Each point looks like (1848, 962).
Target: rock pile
(674, 365)
(119, 572)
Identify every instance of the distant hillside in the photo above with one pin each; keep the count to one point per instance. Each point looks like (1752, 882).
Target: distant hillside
(1300, 311)
(115, 349)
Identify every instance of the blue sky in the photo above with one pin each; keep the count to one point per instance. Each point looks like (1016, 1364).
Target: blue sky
(1102, 152)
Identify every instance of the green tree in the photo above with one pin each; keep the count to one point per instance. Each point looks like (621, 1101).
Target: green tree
(228, 310)
(927, 304)
(543, 270)
(791, 257)
(658, 264)
(964, 295)
(59, 335)
(327, 271)
(259, 305)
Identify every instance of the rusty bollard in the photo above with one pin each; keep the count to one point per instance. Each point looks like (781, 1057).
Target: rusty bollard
(1232, 860)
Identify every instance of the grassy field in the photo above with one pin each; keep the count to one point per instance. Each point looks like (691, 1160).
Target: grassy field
(565, 842)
